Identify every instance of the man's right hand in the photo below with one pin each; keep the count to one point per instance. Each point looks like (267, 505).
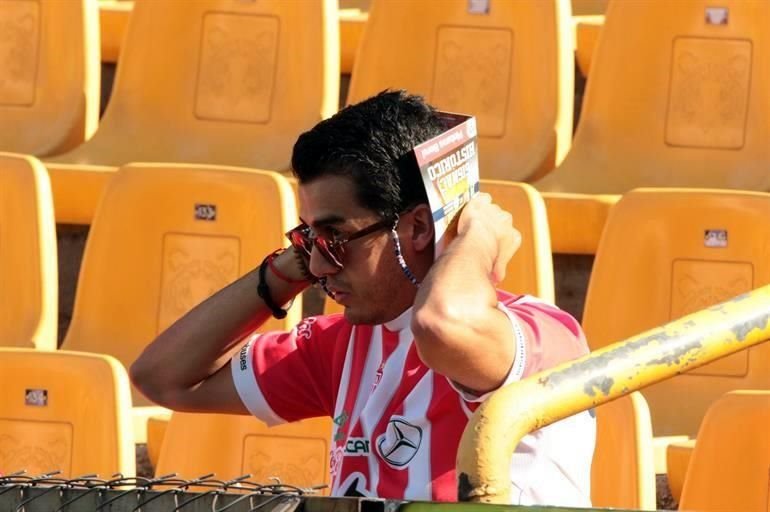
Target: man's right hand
(495, 240)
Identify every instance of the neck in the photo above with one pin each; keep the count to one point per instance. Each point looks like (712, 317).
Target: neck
(420, 264)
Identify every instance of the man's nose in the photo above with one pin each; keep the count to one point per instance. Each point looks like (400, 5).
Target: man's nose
(319, 266)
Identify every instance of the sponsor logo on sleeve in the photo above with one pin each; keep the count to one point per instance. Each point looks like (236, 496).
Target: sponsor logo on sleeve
(305, 328)
(243, 358)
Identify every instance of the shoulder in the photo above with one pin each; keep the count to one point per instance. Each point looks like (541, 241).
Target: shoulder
(322, 327)
(322, 334)
(552, 335)
(538, 309)
(317, 329)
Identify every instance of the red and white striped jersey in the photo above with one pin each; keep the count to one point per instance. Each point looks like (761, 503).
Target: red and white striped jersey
(397, 424)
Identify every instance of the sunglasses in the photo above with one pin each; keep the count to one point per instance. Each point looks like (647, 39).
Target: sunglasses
(303, 239)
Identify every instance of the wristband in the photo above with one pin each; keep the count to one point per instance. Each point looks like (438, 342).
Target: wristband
(263, 290)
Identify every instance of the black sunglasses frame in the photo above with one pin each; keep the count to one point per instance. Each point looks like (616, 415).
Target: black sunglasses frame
(332, 250)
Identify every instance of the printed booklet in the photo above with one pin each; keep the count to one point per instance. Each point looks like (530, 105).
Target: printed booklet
(449, 165)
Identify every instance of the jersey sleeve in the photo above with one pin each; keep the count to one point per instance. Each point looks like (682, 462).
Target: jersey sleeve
(288, 376)
(551, 336)
(544, 336)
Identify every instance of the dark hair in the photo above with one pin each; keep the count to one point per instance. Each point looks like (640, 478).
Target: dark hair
(371, 143)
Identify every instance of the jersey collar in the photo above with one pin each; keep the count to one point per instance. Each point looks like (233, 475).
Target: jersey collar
(401, 322)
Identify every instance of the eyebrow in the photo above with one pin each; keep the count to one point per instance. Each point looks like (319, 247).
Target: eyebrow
(329, 220)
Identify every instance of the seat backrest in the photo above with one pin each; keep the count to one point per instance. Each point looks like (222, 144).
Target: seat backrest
(691, 111)
(665, 253)
(623, 472)
(64, 411)
(588, 7)
(511, 66)
(530, 271)
(49, 91)
(28, 270)
(219, 81)
(362, 5)
(232, 446)
(729, 466)
(164, 238)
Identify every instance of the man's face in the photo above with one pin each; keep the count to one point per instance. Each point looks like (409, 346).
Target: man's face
(371, 285)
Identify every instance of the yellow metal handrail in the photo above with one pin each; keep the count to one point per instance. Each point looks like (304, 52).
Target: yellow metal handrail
(484, 455)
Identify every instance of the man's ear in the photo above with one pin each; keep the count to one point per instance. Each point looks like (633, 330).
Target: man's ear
(422, 227)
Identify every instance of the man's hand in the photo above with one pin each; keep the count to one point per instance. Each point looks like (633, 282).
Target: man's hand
(491, 231)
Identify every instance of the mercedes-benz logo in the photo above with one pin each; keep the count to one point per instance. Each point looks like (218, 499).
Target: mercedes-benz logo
(400, 442)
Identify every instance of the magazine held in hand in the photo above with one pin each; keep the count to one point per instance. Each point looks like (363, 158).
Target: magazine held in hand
(449, 165)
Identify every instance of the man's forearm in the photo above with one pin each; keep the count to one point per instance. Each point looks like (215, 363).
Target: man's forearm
(201, 342)
(456, 319)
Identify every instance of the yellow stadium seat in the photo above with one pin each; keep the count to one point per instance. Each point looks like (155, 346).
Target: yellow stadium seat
(530, 271)
(212, 81)
(691, 110)
(587, 30)
(666, 253)
(156, 431)
(231, 446)
(331, 307)
(165, 237)
(64, 411)
(589, 7)
(28, 273)
(622, 473)
(113, 21)
(729, 466)
(352, 24)
(114, 14)
(660, 445)
(678, 457)
(686, 114)
(49, 91)
(512, 67)
(576, 221)
(361, 5)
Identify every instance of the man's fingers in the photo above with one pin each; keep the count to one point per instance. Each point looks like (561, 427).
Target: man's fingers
(474, 208)
(507, 247)
(496, 227)
(498, 274)
(510, 246)
(483, 198)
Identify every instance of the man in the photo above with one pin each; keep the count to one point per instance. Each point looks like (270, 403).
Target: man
(421, 342)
